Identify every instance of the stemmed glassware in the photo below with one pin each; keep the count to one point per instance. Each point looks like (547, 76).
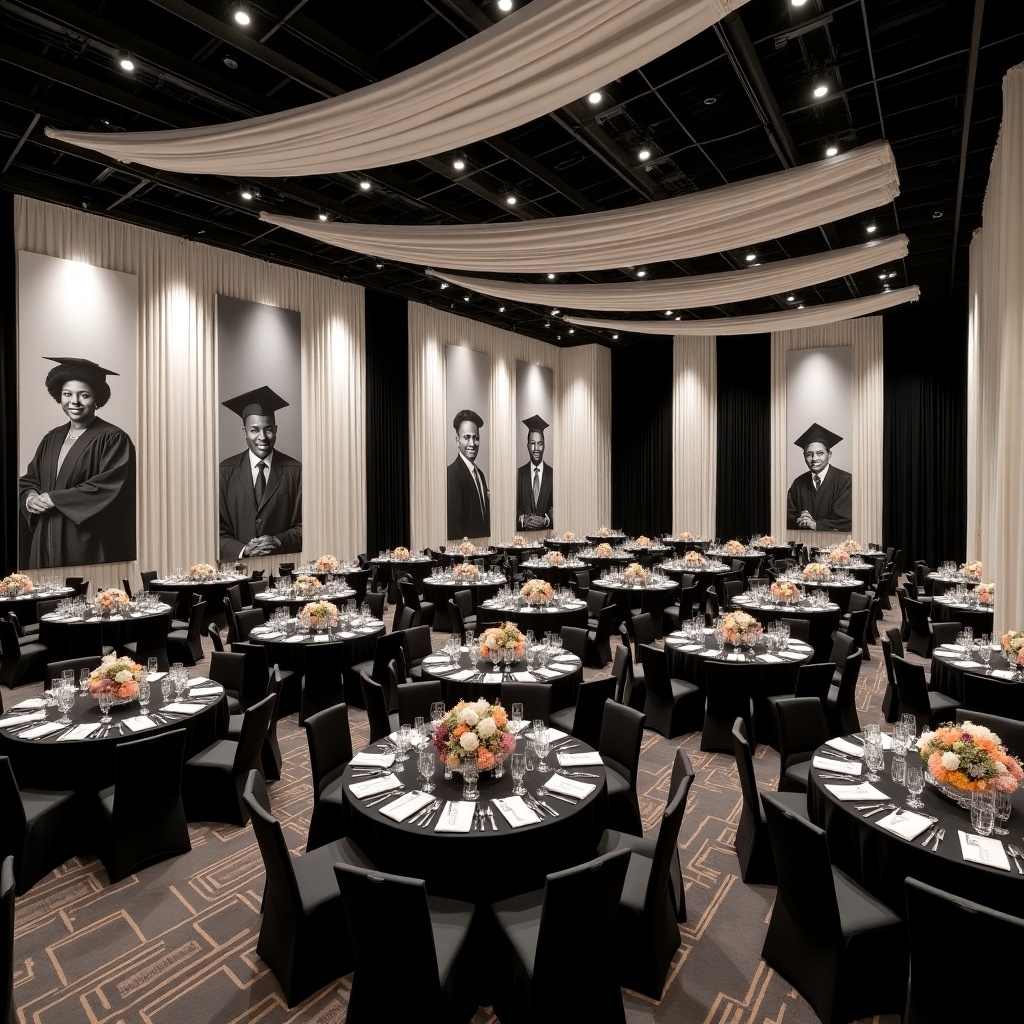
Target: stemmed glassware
(518, 772)
(542, 745)
(66, 700)
(1002, 806)
(403, 741)
(874, 759)
(985, 649)
(145, 692)
(106, 701)
(427, 765)
(915, 784)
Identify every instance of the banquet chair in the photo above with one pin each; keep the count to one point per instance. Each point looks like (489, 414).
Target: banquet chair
(246, 620)
(733, 589)
(234, 595)
(385, 650)
(7, 1014)
(151, 636)
(574, 640)
(841, 703)
(213, 779)
(254, 587)
(596, 600)
(1009, 730)
(435, 960)
(932, 912)
(622, 673)
(172, 599)
(544, 961)
(147, 578)
(647, 924)
(857, 629)
(321, 685)
(141, 814)
(228, 669)
(711, 606)
(727, 696)
(826, 931)
(599, 645)
(423, 611)
(642, 628)
(673, 706)
(39, 828)
(535, 698)
(583, 721)
(78, 584)
(358, 581)
(622, 734)
(992, 696)
(303, 935)
(753, 843)
(920, 639)
(414, 700)
(799, 629)
(406, 618)
(464, 599)
(672, 616)
(582, 585)
(126, 587)
(842, 646)
(229, 617)
(55, 668)
(812, 680)
(375, 602)
(945, 632)
(417, 646)
(381, 722)
(185, 645)
(890, 699)
(20, 663)
(259, 681)
(456, 623)
(802, 729)
(29, 633)
(929, 707)
(213, 632)
(284, 569)
(858, 602)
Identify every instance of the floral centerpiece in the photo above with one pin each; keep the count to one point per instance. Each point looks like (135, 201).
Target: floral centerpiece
(816, 572)
(785, 591)
(568, 535)
(839, 556)
(327, 563)
(972, 569)
(537, 592)
(603, 550)
(400, 554)
(693, 558)
(476, 731)
(1013, 642)
(740, 628)
(986, 593)
(767, 541)
(686, 535)
(554, 558)
(203, 572)
(119, 676)
(505, 637)
(643, 541)
(466, 571)
(18, 582)
(306, 586)
(318, 615)
(851, 545)
(111, 601)
(604, 532)
(635, 572)
(969, 757)
(467, 547)
(519, 541)
(735, 547)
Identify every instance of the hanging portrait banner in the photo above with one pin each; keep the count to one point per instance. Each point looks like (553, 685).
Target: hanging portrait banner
(467, 415)
(535, 429)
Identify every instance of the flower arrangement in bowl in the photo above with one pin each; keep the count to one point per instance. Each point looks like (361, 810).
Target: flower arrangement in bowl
(815, 572)
(537, 592)
(785, 591)
(474, 731)
(767, 541)
(306, 586)
(603, 550)
(735, 547)
(852, 546)
(555, 558)
(400, 554)
(686, 535)
(569, 535)
(604, 532)
(502, 641)
(467, 547)
(17, 583)
(635, 573)
(119, 677)
(741, 629)
(112, 601)
(327, 563)
(986, 593)
(318, 615)
(972, 569)
(643, 541)
(964, 757)
(519, 541)
(1013, 644)
(202, 572)
(693, 558)
(838, 556)
(466, 571)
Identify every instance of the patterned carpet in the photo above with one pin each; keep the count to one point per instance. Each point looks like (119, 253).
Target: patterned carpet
(176, 942)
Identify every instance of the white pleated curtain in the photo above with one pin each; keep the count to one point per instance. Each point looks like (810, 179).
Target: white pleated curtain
(580, 442)
(695, 436)
(995, 423)
(726, 217)
(544, 56)
(177, 439)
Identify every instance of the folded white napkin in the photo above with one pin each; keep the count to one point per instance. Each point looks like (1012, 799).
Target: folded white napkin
(31, 704)
(846, 746)
(524, 677)
(551, 609)
(406, 805)
(139, 723)
(435, 659)
(907, 824)
(364, 759)
(457, 816)
(322, 638)
(711, 653)
(371, 787)
(708, 630)
(571, 760)
(948, 647)
(839, 767)
(348, 635)
(569, 787)
(184, 709)
(769, 659)
(862, 791)
(554, 735)
(32, 716)
(299, 638)
(206, 691)
(466, 673)
(515, 811)
(80, 732)
(1002, 673)
(199, 680)
(800, 645)
(548, 673)
(40, 730)
(983, 850)
(569, 659)
(944, 654)
(793, 655)
(272, 635)
(966, 664)
(735, 657)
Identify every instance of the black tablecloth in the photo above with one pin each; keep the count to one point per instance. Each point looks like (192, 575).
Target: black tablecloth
(25, 607)
(948, 677)
(838, 593)
(77, 638)
(556, 575)
(268, 601)
(441, 592)
(212, 592)
(682, 546)
(540, 620)
(565, 546)
(704, 578)
(389, 568)
(981, 618)
(823, 622)
(521, 551)
(627, 599)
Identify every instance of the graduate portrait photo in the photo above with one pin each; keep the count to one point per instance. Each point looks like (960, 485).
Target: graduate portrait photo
(821, 498)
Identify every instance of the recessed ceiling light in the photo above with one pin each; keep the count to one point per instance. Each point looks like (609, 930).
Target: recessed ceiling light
(594, 98)
(615, 337)
(798, 3)
(791, 298)
(710, 101)
(125, 61)
(555, 312)
(505, 5)
(551, 277)
(247, 193)
(501, 309)
(459, 164)
(668, 312)
(679, 318)
(871, 229)
(751, 256)
(321, 215)
(230, 62)
(892, 273)
(241, 14)
(801, 306)
(821, 89)
(641, 273)
(511, 200)
(572, 330)
(644, 154)
(465, 298)
(365, 185)
(444, 284)
(547, 323)
(832, 150)
(379, 266)
(882, 277)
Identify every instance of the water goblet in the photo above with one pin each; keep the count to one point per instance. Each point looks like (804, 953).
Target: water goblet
(909, 727)
(437, 711)
(1002, 805)
(145, 692)
(67, 677)
(915, 784)
(517, 716)
(874, 759)
(518, 772)
(180, 679)
(470, 777)
(106, 701)
(985, 650)
(427, 764)
(982, 813)
(542, 745)
(83, 680)
(65, 701)
(404, 738)
(899, 769)
(165, 687)
(152, 666)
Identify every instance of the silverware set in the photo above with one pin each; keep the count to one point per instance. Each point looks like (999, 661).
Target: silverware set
(482, 816)
(874, 809)
(381, 797)
(420, 817)
(1015, 853)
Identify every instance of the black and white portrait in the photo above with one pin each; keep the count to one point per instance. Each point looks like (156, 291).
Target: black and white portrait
(821, 498)
(534, 477)
(467, 393)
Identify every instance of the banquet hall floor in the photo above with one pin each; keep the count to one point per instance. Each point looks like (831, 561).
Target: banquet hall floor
(177, 941)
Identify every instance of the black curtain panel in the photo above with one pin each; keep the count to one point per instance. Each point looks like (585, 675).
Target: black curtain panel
(924, 451)
(8, 387)
(744, 436)
(642, 438)
(387, 421)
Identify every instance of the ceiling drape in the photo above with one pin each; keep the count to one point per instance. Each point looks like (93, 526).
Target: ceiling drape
(696, 291)
(544, 56)
(782, 320)
(743, 213)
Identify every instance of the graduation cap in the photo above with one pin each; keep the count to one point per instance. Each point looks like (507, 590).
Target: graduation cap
(816, 432)
(75, 364)
(258, 402)
(536, 423)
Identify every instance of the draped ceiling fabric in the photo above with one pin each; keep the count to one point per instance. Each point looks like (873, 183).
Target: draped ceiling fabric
(543, 57)
(995, 423)
(726, 217)
(699, 290)
(782, 320)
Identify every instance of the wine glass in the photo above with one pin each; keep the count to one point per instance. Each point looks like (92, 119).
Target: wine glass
(518, 772)
(436, 711)
(165, 687)
(982, 813)
(106, 701)
(404, 738)
(427, 765)
(67, 677)
(517, 716)
(873, 758)
(83, 680)
(985, 650)
(145, 692)
(542, 744)
(1003, 806)
(152, 666)
(66, 700)
(915, 784)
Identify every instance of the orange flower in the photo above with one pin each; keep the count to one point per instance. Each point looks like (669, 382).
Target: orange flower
(499, 716)
(460, 730)
(484, 759)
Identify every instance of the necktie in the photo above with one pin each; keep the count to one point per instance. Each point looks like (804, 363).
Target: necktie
(261, 482)
(817, 480)
(536, 487)
(480, 493)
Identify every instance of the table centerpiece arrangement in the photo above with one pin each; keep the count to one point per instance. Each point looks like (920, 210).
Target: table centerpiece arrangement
(604, 532)
(785, 592)
(986, 593)
(635, 573)
(503, 644)
(15, 584)
(554, 558)
(518, 541)
(467, 547)
(400, 554)
(306, 586)
(327, 563)
(741, 629)
(202, 572)
(765, 541)
(466, 571)
(816, 572)
(838, 556)
(852, 546)
(474, 732)
(569, 536)
(686, 535)
(1012, 644)
(117, 677)
(735, 547)
(963, 758)
(318, 616)
(603, 550)
(112, 601)
(537, 593)
(643, 541)
(694, 560)
(973, 570)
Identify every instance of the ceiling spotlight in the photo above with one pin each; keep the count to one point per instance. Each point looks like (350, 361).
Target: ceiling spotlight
(798, 3)
(801, 306)
(751, 256)
(594, 98)
(820, 88)
(365, 185)
(547, 323)
(641, 272)
(679, 318)
(459, 164)
(322, 215)
(501, 309)
(668, 312)
(832, 150)
(572, 330)
(936, 215)
(615, 337)
(444, 284)
(249, 193)
(710, 101)
(241, 14)
(882, 277)
(465, 298)
(871, 229)
(230, 62)
(124, 60)
(644, 154)
(551, 277)
(555, 312)
(791, 298)
(892, 273)
(505, 6)
(379, 266)
(511, 200)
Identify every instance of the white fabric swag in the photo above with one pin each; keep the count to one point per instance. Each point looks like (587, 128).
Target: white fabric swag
(547, 54)
(783, 320)
(693, 292)
(720, 218)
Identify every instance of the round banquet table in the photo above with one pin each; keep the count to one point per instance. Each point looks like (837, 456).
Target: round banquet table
(567, 547)
(823, 621)
(599, 563)
(750, 561)
(657, 552)
(557, 575)
(212, 592)
(269, 600)
(453, 555)
(76, 637)
(24, 606)
(682, 546)
(863, 572)
(513, 861)
(776, 551)
(562, 674)
(880, 861)
(612, 538)
(441, 590)
(949, 667)
(981, 618)
(416, 566)
(710, 576)
(540, 618)
(838, 591)
(659, 592)
(521, 551)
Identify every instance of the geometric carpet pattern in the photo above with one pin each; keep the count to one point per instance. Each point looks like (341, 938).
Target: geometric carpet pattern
(176, 942)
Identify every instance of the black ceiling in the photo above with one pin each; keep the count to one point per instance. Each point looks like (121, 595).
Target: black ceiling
(733, 103)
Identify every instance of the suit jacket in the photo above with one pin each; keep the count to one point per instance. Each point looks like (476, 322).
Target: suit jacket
(525, 505)
(279, 514)
(831, 506)
(464, 518)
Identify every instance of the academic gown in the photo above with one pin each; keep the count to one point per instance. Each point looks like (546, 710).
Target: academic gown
(525, 505)
(831, 506)
(279, 513)
(93, 518)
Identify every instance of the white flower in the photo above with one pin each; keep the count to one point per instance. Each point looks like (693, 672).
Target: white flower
(950, 761)
(486, 728)
(124, 676)
(469, 741)
(999, 768)
(481, 707)
(468, 716)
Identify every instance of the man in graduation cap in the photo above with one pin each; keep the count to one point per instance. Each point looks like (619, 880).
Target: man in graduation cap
(260, 489)
(822, 498)
(533, 481)
(469, 497)
(78, 495)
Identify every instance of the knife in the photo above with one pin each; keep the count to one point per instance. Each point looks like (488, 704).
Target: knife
(931, 835)
(490, 818)
(565, 799)
(548, 806)
(939, 838)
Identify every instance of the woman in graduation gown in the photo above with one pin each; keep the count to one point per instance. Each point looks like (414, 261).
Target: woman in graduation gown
(78, 495)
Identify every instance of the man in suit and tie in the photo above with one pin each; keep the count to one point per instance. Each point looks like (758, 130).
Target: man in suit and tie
(260, 489)
(821, 499)
(533, 481)
(469, 499)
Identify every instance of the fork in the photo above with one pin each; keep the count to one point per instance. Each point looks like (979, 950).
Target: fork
(877, 810)
(1015, 853)
(939, 838)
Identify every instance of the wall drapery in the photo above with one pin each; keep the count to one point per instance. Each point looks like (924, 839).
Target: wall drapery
(695, 436)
